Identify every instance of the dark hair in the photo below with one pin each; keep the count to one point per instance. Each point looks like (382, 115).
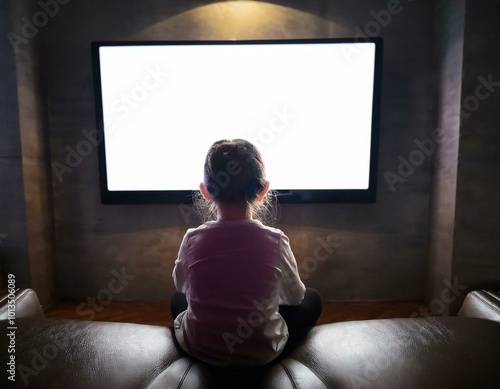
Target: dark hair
(234, 173)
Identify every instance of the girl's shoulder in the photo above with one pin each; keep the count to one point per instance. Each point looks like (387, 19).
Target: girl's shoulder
(250, 224)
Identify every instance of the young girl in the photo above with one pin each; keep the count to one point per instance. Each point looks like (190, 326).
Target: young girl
(240, 297)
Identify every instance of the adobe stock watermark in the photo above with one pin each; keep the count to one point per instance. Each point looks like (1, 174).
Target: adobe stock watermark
(12, 327)
(373, 369)
(484, 89)
(407, 166)
(122, 106)
(425, 148)
(449, 293)
(41, 356)
(115, 286)
(220, 180)
(129, 101)
(264, 309)
(75, 155)
(246, 327)
(281, 119)
(31, 26)
(323, 251)
(381, 19)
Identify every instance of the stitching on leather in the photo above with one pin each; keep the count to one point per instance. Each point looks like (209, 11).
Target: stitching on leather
(489, 304)
(289, 375)
(24, 294)
(17, 298)
(22, 297)
(3, 303)
(495, 296)
(318, 376)
(181, 382)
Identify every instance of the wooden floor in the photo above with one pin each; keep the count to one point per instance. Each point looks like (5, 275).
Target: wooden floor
(158, 313)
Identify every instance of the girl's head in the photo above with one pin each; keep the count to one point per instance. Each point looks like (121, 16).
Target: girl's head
(234, 174)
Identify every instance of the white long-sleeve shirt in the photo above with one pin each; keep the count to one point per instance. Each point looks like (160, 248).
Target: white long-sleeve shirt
(235, 274)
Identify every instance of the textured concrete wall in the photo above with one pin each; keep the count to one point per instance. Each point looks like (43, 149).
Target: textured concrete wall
(476, 258)
(13, 244)
(449, 28)
(27, 192)
(378, 251)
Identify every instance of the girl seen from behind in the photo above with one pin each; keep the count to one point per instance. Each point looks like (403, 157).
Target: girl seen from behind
(239, 296)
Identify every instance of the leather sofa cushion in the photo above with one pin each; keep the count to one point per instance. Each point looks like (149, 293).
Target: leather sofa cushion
(419, 353)
(444, 352)
(481, 304)
(82, 354)
(26, 302)
(396, 353)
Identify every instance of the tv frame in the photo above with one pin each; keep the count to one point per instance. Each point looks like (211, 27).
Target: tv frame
(284, 196)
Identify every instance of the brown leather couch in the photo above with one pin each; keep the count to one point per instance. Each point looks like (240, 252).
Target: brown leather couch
(433, 352)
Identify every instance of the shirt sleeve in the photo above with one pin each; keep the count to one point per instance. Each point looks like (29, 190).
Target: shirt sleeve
(180, 273)
(291, 288)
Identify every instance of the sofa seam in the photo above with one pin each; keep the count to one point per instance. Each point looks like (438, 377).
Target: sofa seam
(289, 375)
(488, 303)
(19, 295)
(22, 297)
(318, 376)
(493, 295)
(181, 382)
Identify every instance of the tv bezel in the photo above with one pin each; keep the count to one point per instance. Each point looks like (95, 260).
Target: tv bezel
(284, 196)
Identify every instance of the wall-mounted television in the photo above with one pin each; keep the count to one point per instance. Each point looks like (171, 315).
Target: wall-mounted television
(311, 106)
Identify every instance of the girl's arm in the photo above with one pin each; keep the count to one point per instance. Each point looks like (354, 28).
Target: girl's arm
(180, 273)
(291, 288)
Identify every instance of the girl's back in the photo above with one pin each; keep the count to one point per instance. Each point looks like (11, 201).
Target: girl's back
(238, 273)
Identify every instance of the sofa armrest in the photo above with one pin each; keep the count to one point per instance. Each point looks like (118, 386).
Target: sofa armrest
(481, 304)
(26, 304)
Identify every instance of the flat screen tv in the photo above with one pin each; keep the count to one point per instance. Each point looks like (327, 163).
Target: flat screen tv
(311, 106)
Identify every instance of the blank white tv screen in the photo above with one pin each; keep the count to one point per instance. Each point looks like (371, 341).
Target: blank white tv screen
(308, 105)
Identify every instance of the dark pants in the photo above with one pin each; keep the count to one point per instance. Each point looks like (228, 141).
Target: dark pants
(299, 318)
